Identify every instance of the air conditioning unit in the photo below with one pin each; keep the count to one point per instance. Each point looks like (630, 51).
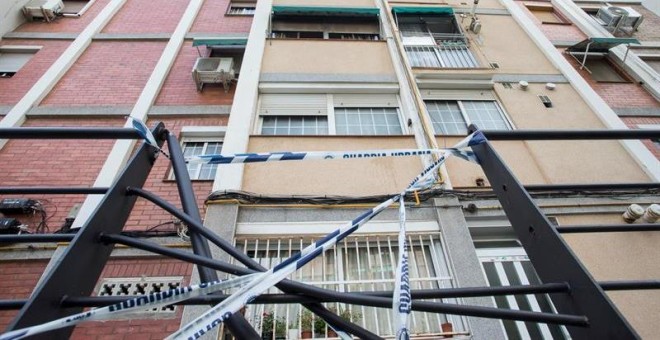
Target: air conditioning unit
(43, 9)
(619, 17)
(214, 71)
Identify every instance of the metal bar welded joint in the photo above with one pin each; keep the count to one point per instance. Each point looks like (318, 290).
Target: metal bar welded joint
(552, 258)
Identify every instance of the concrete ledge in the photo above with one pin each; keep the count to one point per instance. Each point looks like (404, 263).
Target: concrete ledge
(330, 78)
(638, 112)
(530, 78)
(4, 109)
(132, 36)
(564, 43)
(484, 11)
(40, 35)
(41, 111)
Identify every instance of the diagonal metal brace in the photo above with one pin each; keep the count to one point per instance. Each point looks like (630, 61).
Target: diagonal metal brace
(551, 257)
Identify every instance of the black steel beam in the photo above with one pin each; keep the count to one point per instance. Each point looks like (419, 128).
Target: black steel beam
(606, 228)
(51, 191)
(68, 133)
(494, 135)
(352, 298)
(630, 285)
(236, 323)
(78, 270)
(244, 259)
(593, 187)
(551, 256)
(36, 238)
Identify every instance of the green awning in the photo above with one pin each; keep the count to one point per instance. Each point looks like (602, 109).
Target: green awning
(435, 10)
(219, 42)
(600, 45)
(326, 11)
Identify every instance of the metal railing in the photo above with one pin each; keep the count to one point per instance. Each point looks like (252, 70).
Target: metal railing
(447, 55)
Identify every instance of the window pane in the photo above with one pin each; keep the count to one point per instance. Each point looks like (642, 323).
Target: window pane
(294, 125)
(367, 121)
(486, 115)
(201, 171)
(446, 117)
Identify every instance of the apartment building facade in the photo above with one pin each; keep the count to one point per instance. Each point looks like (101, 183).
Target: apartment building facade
(327, 75)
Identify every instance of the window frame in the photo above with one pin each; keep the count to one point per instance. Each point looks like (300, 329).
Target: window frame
(466, 118)
(80, 12)
(241, 4)
(199, 134)
(17, 49)
(332, 127)
(561, 20)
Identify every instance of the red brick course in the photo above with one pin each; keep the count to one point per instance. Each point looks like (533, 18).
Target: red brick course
(147, 16)
(108, 73)
(180, 89)
(66, 24)
(554, 31)
(14, 88)
(17, 281)
(212, 19)
(145, 214)
(635, 122)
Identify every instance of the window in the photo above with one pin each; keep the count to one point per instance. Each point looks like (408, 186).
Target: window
(367, 121)
(546, 14)
(357, 263)
(241, 8)
(297, 35)
(452, 117)
(602, 70)
(435, 42)
(196, 148)
(322, 114)
(294, 125)
(76, 7)
(13, 58)
(292, 22)
(130, 286)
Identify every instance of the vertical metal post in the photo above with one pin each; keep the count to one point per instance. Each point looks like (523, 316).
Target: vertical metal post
(551, 256)
(236, 323)
(79, 268)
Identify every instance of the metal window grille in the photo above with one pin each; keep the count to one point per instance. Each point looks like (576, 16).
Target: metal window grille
(235, 9)
(294, 125)
(358, 263)
(508, 266)
(201, 171)
(367, 121)
(450, 55)
(452, 117)
(128, 286)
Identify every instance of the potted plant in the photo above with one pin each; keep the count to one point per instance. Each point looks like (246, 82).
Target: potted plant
(267, 326)
(306, 321)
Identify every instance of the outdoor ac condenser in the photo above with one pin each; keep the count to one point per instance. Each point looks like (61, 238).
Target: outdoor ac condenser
(213, 71)
(43, 9)
(612, 16)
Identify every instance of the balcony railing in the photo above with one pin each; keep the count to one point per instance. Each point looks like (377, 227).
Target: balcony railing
(449, 55)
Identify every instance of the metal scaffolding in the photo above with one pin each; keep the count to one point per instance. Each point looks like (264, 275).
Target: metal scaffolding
(581, 303)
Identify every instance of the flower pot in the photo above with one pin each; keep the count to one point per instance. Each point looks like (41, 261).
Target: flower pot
(306, 334)
(332, 333)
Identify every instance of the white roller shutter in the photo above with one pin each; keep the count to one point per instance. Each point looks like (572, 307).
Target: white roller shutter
(12, 62)
(458, 95)
(293, 105)
(365, 100)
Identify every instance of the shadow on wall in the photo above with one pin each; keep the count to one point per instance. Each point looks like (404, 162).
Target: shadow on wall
(11, 15)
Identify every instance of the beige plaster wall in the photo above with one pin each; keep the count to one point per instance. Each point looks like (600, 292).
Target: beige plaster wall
(622, 256)
(327, 56)
(336, 177)
(331, 3)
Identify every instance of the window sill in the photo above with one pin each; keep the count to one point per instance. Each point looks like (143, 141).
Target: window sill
(556, 23)
(239, 15)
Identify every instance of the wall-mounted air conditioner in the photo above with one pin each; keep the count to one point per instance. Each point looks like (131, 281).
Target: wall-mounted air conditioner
(619, 17)
(43, 9)
(213, 71)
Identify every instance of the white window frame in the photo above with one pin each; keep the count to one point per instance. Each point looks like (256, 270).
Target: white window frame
(20, 49)
(266, 234)
(241, 4)
(200, 134)
(466, 118)
(81, 11)
(332, 129)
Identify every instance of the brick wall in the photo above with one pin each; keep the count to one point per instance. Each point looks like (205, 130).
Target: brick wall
(108, 73)
(180, 89)
(553, 31)
(17, 279)
(212, 18)
(634, 122)
(145, 214)
(66, 24)
(14, 88)
(147, 16)
(34, 162)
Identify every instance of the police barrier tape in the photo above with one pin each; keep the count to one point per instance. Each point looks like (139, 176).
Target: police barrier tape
(401, 301)
(150, 301)
(222, 311)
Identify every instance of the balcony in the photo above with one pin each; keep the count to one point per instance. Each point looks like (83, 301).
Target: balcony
(450, 55)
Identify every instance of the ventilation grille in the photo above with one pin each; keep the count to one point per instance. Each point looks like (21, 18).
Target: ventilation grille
(507, 85)
(494, 65)
(140, 286)
(546, 101)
